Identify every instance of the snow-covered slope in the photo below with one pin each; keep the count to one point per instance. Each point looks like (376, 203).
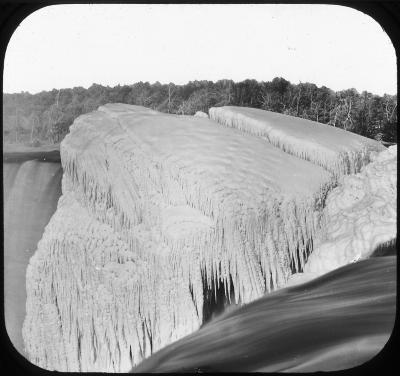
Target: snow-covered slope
(155, 209)
(333, 148)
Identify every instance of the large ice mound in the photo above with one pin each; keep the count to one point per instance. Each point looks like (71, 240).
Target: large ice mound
(155, 209)
(360, 215)
(338, 151)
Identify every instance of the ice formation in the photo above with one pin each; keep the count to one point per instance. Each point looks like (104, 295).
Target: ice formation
(155, 209)
(334, 149)
(360, 215)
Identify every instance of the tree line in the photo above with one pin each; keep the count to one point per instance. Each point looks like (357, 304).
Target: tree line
(45, 117)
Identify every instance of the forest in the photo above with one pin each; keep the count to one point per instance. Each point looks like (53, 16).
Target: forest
(45, 117)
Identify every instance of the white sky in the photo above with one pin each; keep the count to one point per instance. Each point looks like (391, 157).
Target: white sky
(76, 45)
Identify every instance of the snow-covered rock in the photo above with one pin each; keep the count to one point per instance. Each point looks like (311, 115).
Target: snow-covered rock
(338, 151)
(155, 209)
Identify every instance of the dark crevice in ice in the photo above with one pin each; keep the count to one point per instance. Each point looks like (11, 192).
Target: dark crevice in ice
(386, 249)
(216, 298)
(300, 258)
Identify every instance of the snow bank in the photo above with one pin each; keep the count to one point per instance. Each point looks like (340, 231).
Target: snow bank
(201, 114)
(155, 207)
(334, 149)
(360, 215)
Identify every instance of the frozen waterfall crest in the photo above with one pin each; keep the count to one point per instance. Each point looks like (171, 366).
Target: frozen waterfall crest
(158, 208)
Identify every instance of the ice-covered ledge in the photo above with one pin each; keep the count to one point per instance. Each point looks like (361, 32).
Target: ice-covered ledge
(335, 149)
(156, 208)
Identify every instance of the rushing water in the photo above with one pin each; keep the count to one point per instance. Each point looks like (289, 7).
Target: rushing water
(337, 321)
(31, 188)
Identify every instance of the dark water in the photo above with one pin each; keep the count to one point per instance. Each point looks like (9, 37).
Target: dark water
(50, 155)
(337, 321)
(31, 190)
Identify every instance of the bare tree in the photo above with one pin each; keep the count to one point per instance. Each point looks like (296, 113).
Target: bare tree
(170, 93)
(390, 107)
(16, 124)
(34, 121)
(347, 104)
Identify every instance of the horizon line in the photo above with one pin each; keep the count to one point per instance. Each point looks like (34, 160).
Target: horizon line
(196, 80)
